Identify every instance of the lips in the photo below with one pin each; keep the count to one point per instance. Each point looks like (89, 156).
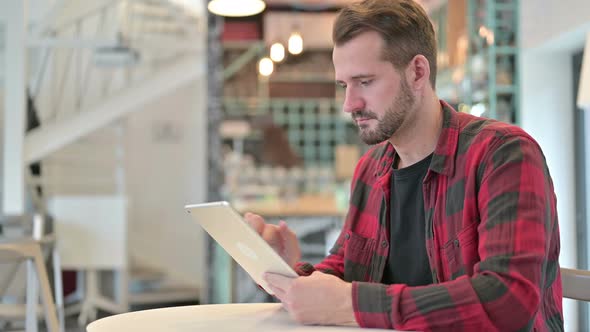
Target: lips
(361, 119)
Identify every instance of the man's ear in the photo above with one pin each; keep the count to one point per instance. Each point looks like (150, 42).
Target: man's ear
(418, 72)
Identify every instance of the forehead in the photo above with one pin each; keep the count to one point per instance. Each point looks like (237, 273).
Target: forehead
(366, 46)
(361, 55)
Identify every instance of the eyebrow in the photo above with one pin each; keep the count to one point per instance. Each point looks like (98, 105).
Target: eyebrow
(361, 76)
(357, 77)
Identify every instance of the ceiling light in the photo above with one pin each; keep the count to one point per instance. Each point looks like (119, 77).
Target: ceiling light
(295, 43)
(265, 67)
(236, 8)
(277, 52)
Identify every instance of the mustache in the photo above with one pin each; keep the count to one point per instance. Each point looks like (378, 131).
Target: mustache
(363, 114)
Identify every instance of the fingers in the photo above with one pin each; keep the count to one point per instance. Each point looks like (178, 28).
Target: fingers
(283, 227)
(280, 286)
(255, 221)
(278, 282)
(272, 236)
(291, 250)
(278, 293)
(286, 232)
(282, 239)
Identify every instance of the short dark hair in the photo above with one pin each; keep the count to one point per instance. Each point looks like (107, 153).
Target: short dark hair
(403, 24)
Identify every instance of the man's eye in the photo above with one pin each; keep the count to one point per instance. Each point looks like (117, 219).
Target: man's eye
(365, 83)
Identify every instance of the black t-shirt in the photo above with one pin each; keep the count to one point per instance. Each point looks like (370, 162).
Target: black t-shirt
(408, 261)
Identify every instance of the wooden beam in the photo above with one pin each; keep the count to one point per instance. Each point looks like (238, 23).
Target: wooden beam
(252, 52)
(48, 138)
(72, 11)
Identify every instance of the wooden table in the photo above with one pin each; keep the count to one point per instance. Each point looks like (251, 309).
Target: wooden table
(257, 317)
(303, 206)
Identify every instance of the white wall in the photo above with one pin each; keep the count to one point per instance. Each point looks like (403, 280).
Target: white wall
(548, 116)
(166, 169)
(551, 32)
(161, 174)
(545, 23)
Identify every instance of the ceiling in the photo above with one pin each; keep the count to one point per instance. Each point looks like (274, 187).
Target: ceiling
(315, 27)
(325, 4)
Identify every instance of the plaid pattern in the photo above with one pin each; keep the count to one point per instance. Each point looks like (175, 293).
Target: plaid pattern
(492, 236)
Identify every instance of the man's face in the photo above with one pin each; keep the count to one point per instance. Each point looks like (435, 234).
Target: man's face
(378, 97)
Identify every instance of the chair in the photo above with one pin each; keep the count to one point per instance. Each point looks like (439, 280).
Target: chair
(30, 250)
(576, 284)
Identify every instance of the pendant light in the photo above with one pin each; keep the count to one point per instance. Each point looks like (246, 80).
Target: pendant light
(277, 52)
(265, 67)
(236, 8)
(295, 43)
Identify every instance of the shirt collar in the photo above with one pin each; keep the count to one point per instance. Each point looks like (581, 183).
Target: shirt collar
(443, 158)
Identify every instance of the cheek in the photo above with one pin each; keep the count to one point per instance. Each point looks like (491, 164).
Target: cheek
(378, 101)
(384, 93)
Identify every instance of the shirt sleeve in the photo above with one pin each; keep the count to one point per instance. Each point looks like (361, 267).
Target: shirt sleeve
(518, 221)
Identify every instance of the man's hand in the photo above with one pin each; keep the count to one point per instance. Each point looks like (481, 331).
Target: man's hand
(282, 239)
(319, 299)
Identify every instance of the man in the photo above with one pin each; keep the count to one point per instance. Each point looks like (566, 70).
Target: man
(452, 223)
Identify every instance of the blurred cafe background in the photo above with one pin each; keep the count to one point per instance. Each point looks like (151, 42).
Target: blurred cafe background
(115, 114)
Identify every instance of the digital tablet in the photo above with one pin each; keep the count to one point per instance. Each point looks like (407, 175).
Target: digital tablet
(244, 244)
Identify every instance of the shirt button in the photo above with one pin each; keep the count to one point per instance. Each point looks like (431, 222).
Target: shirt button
(347, 236)
(384, 244)
(456, 242)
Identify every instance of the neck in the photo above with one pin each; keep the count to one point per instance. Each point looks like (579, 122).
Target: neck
(417, 138)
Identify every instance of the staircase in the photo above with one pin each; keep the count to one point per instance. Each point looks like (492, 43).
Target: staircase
(92, 64)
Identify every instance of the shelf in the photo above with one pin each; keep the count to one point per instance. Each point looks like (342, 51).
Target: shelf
(505, 89)
(506, 50)
(499, 59)
(505, 6)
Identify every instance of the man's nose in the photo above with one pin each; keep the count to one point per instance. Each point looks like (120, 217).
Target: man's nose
(352, 102)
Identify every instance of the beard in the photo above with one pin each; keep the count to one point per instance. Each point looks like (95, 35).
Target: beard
(392, 120)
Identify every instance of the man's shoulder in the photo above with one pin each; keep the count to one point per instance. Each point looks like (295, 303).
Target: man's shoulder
(487, 130)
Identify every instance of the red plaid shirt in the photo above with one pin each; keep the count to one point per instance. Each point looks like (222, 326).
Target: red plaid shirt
(492, 236)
